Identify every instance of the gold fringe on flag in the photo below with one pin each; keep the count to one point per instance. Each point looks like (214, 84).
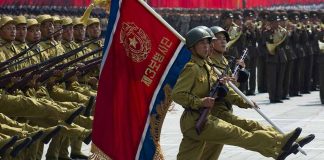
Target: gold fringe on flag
(156, 122)
(157, 119)
(97, 154)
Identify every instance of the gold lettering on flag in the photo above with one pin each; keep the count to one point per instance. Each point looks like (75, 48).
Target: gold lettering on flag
(155, 62)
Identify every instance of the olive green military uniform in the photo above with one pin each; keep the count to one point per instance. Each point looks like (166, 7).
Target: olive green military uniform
(223, 110)
(194, 83)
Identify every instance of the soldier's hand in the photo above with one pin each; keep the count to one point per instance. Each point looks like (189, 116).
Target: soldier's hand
(93, 81)
(240, 62)
(208, 102)
(79, 65)
(15, 79)
(255, 105)
(58, 73)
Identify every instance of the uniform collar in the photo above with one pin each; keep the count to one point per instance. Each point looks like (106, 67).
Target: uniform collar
(197, 60)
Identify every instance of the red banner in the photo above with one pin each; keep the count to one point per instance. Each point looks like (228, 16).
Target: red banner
(139, 51)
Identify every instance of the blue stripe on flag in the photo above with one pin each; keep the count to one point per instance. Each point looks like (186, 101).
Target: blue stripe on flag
(114, 9)
(148, 148)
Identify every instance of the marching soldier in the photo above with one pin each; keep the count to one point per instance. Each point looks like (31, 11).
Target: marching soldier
(262, 49)
(309, 54)
(250, 43)
(191, 91)
(276, 58)
(57, 28)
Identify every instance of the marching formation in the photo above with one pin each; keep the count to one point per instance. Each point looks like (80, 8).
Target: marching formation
(283, 50)
(49, 78)
(284, 55)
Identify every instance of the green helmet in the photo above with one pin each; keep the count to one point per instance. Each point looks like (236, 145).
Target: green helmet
(208, 30)
(217, 29)
(196, 34)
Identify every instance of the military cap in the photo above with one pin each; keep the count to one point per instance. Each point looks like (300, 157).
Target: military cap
(32, 22)
(67, 21)
(274, 16)
(293, 16)
(5, 20)
(77, 21)
(57, 19)
(237, 15)
(43, 18)
(20, 20)
(226, 14)
(93, 21)
(264, 15)
(313, 14)
(248, 13)
(303, 15)
(283, 16)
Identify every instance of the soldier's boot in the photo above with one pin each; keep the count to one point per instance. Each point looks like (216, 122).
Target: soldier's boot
(6, 144)
(77, 132)
(35, 137)
(289, 147)
(87, 111)
(73, 115)
(302, 142)
(76, 153)
(50, 133)
(20, 146)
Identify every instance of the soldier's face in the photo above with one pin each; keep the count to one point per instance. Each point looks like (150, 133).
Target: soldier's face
(201, 48)
(228, 21)
(68, 33)
(33, 33)
(94, 30)
(21, 32)
(47, 29)
(8, 32)
(219, 44)
(58, 26)
(79, 32)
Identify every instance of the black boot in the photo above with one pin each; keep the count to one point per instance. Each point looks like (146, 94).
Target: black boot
(9, 144)
(16, 150)
(87, 111)
(74, 115)
(51, 134)
(305, 141)
(35, 137)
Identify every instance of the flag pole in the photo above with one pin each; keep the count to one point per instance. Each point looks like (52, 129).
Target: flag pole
(161, 19)
(256, 108)
(218, 72)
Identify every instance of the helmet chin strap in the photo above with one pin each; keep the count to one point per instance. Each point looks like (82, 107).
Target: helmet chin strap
(217, 51)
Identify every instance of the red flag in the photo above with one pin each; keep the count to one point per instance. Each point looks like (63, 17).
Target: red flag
(141, 58)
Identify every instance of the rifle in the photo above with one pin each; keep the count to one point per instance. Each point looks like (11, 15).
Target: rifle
(2, 64)
(49, 73)
(215, 93)
(84, 70)
(244, 55)
(23, 59)
(36, 68)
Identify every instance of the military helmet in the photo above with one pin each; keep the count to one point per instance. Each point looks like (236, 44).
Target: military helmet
(217, 29)
(196, 34)
(209, 31)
